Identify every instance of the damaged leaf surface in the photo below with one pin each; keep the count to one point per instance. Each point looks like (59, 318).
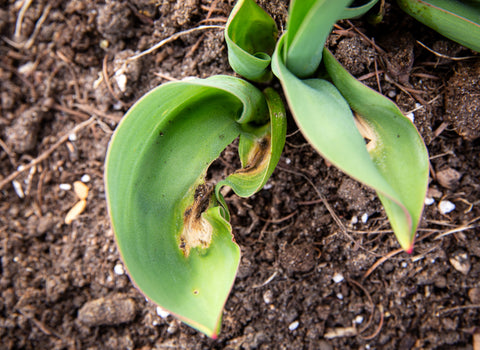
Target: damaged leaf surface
(171, 232)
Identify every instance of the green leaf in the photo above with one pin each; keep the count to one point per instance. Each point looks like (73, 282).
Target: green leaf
(259, 151)
(358, 11)
(397, 167)
(457, 20)
(395, 146)
(170, 230)
(250, 35)
(309, 23)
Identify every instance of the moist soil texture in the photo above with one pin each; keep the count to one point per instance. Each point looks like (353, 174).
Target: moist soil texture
(320, 267)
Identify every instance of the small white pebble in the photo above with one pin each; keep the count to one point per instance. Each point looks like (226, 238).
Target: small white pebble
(410, 116)
(162, 313)
(155, 323)
(358, 319)
(16, 259)
(117, 106)
(172, 328)
(392, 93)
(340, 296)
(404, 264)
(121, 80)
(65, 187)
(365, 218)
(27, 68)
(72, 137)
(268, 297)
(18, 189)
(418, 105)
(337, 277)
(446, 207)
(354, 220)
(119, 270)
(267, 186)
(21, 167)
(85, 178)
(294, 325)
(429, 200)
(288, 160)
(104, 44)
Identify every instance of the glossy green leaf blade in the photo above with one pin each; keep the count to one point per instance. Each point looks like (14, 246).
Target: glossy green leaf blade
(155, 167)
(457, 20)
(358, 11)
(250, 35)
(396, 148)
(325, 119)
(309, 23)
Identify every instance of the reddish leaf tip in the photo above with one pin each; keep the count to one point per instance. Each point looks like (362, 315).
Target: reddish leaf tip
(409, 250)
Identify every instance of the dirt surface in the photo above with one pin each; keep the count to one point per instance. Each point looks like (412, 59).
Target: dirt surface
(311, 276)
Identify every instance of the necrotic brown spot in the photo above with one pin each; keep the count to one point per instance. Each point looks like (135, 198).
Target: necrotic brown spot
(197, 231)
(258, 155)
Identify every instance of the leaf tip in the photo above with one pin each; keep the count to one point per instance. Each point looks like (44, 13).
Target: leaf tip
(408, 245)
(409, 250)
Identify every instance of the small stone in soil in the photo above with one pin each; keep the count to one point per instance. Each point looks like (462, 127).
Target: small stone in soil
(448, 177)
(358, 319)
(337, 277)
(365, 218)
(474, 295)
(107, 311)
(268, 296)
(85, 178)
(429, 200)
(446, 207)
(162, 312)
(294, 325)
(65, 187)
(21, 136)
(119, 270)
(460, 262)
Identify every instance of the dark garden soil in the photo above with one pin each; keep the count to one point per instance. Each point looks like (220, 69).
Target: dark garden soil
(320, 267)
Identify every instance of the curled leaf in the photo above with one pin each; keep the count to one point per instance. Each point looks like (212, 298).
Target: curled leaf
(172, 233)
(309, 23)
(250, 35)
(358, 11)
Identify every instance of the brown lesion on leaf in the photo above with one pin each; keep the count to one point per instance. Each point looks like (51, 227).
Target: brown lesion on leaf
(367, 132)
(258, 156)
(197, 231)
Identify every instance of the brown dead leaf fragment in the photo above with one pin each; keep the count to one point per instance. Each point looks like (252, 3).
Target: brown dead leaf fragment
(76, 210)
(80, 189)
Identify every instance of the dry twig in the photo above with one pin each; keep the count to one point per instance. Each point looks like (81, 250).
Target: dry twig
(173, 38)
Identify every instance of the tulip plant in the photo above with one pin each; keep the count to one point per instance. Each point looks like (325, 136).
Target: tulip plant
(172, 226)
(458, 20)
